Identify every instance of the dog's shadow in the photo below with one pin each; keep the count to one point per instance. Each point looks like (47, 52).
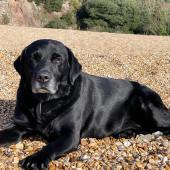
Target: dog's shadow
(6, 112)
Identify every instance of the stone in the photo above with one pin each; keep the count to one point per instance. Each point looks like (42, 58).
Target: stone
(165, 159)
(121, 148)
(84, 157)
(118, 143)
(139, 165)
(146, 138)
(152, 161)
(118, 167)
(126, 143)
(157, 134)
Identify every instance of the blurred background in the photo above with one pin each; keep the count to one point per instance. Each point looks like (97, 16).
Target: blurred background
(151, 17)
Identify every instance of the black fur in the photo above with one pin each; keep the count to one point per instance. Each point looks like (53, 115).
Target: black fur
(56, 100)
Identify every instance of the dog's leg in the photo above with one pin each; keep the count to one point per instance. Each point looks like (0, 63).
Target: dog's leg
(159, 114)
(63, 144)
(11, 136)
(162, 117)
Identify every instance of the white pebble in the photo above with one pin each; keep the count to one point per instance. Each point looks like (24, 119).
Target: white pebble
(126, 143)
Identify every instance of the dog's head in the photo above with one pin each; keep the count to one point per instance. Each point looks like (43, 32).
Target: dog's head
(47, 67)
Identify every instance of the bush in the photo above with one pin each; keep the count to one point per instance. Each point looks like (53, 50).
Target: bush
(50, 5)
(75, 4)
(53, 5)
(154, 18)
(68, 20)
(130, 16)
(115, 15)
(58, 23)
(5, 19)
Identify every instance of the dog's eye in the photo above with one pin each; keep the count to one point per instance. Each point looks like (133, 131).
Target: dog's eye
(56, 58)
(36, 57)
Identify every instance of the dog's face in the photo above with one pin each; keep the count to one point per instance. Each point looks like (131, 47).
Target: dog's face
(47, 66)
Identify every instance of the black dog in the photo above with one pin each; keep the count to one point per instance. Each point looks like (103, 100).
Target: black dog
(62, 104)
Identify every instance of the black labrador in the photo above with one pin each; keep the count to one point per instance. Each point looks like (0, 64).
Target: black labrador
(58, 101)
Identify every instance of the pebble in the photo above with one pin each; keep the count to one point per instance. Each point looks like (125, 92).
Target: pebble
(157, 134)
(167, 167)
(52, 167)
(152, 161)
(139, 164)
(146, 138)
(84, 142)
(165, 159)
(118, 167)
(134, 60)
(15, 160)
(166, 143)
(120, 148)
(126, 143)
(118, 143)
(119, 159)
(19, 146)
(149, 166)
(79, 165)
(84, 157)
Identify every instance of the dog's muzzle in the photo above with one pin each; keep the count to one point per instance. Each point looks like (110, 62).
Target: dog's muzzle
(43, 82)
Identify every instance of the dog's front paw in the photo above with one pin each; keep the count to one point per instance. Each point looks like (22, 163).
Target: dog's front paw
(34, 162)
(8, 137)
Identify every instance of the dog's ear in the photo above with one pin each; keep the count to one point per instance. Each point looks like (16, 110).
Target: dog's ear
(17, 64)
(75, 67)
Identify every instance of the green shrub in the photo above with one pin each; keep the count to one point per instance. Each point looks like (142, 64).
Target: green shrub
(53, 5)
(5, 19)
(154, 18)
(75, 4)
(118, 14)
(58, 23)
(129, 16)
(67, 20)
(50, 5)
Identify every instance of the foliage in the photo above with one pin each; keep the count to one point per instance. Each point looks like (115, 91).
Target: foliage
(50, 5)
(67, 20)
(127, 16)
(135, 16)
(75, 4)
(115, 15)
(154, 18)
(5, 19)
(57, 23)
(53, 5)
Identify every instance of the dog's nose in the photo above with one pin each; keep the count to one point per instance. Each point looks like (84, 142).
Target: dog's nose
(42, 77)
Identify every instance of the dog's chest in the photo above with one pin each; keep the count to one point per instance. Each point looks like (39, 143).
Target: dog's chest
(45, 119)
(44, 114)
(38, 113)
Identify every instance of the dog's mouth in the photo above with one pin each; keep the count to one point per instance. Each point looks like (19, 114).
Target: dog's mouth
(42, 90)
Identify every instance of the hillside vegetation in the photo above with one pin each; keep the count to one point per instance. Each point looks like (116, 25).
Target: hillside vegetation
(150, 17)
(127, 16)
